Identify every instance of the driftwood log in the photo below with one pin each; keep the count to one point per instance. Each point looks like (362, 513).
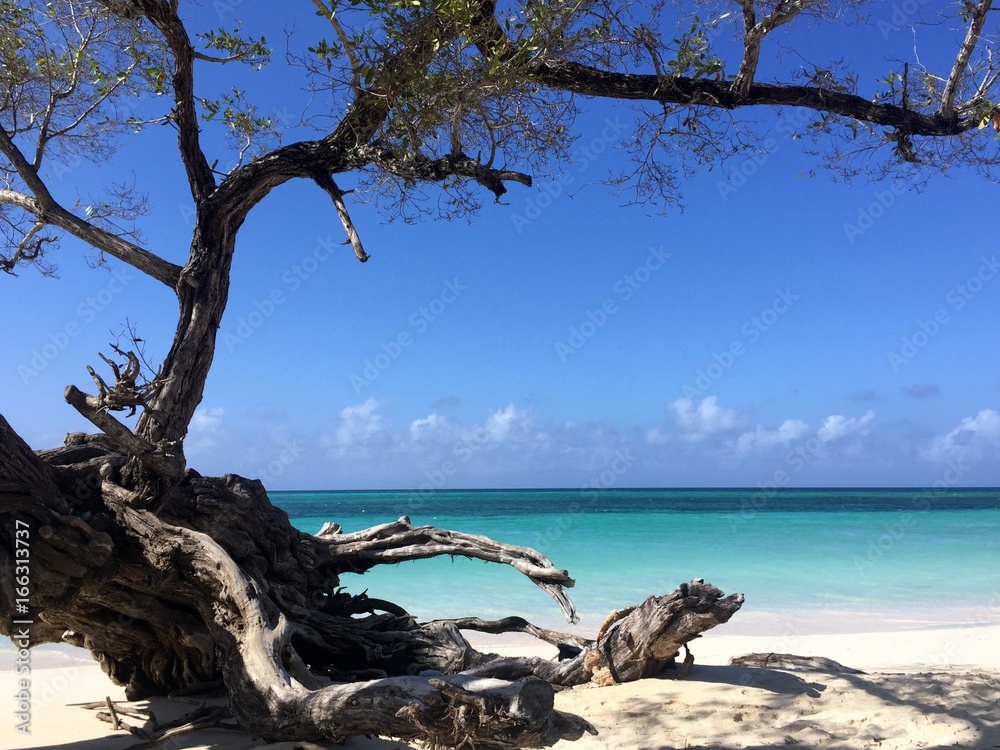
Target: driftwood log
(216, 583)
(792, 663)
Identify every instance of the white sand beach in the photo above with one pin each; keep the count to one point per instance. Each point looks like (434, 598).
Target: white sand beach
(930, 687)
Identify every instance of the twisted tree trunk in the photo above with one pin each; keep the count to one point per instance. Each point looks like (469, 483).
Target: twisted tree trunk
(216, 583)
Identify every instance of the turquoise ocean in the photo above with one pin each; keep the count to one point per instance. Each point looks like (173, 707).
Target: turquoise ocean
(815, 560)
(808, 561)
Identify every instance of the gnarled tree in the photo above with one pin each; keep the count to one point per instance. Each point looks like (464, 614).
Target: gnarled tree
(170, 578)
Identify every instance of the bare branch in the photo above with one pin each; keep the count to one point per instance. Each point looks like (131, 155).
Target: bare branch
(399, 541)
(978, 13)
(751, 48)
(164, 17)
(45, 208)
(331, 188)
(590, 81)
(212, 59)
(161, 459)
(436, 170)
(30, 246)
(754, 34)
(517, 625)
(56, 96)
(125, 392)
(22, 201)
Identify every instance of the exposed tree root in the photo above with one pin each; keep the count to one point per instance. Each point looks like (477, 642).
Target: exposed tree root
(212, 582)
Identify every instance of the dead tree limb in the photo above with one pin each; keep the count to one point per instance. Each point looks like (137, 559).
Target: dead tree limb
(216, 583)
(399, 541)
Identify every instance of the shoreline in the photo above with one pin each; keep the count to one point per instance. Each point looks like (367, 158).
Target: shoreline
(938, 685)
(959, 637)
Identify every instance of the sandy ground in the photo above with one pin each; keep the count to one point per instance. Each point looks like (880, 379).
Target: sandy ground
(931, 687)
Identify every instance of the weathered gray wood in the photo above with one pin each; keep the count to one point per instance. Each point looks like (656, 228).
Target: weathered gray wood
(634, 643)
(791, 662)
(216, 583)
(399, 541)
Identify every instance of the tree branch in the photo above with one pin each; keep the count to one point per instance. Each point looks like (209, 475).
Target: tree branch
(331, 188)
(751, 48)
(247, 627)
(754, 34)
(436, 170)
(56, 96)
(342, 148)
(964, 55)
(31, 248)
(25, 170)
(634, 642)
(93, 101)
(212, 59)
(398, 541)
(591, 81)
(160, 459)
(515, 625)
(352, 59)
(164, 17)
(587, 80)
(46, 210)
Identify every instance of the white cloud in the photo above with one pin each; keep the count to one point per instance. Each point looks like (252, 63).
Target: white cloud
(502, 424)
(433, 427)
(509, 425)
(973, 439)
(361, 425)
(763, 438)
(206, 429)
(656, 436)
(208, 420)
(705, 419)
(837, 426)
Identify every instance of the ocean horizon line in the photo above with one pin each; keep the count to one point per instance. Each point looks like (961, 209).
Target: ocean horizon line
(719, 488)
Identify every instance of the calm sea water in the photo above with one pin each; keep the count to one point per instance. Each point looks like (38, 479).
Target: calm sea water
(817, 560)
(907, 556)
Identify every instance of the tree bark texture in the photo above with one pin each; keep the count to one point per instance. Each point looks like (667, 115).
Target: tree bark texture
(216, 583)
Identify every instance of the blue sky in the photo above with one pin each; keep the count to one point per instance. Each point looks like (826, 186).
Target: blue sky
(781, 330)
